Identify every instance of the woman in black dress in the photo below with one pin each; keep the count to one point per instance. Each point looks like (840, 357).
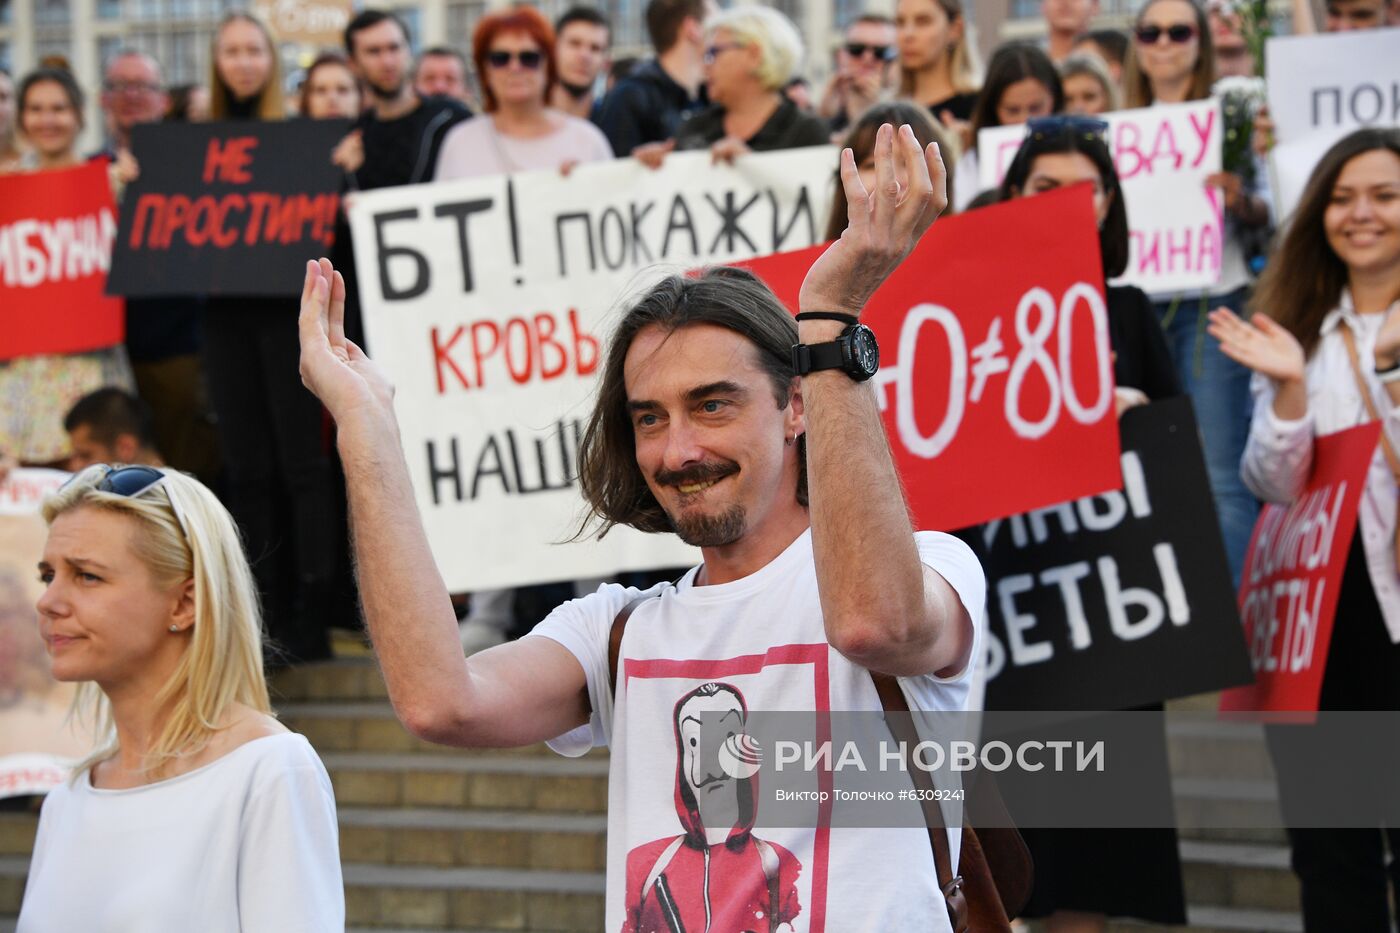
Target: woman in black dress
(1084, 876)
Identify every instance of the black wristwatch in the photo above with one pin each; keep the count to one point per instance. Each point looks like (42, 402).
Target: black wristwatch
(855, 353)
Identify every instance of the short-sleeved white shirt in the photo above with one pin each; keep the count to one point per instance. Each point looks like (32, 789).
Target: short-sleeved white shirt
(246, 844)
(762, 639)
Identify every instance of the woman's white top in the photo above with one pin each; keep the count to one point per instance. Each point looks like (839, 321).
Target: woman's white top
(246, 843)
(1278, 455)
(475, 148)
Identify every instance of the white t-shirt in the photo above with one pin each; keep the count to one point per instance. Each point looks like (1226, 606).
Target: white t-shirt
(245, 844)
(755, 644)
(474, 148)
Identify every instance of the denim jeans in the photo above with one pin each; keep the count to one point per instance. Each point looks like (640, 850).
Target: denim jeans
(1219, 391)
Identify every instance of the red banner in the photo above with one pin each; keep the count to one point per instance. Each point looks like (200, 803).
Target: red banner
(996, 377)
(1292, 576)
(56, 232)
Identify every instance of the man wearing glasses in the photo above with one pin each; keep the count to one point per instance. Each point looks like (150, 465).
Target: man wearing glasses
(862, 71)
(132, 93)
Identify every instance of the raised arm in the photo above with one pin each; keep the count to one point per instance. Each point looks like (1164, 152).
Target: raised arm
(516, 694)
(883, 608)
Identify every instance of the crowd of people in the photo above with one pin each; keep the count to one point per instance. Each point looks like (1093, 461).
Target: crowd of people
(214, 387)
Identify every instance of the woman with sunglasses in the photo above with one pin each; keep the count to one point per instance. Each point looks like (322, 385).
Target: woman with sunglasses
(1171, 60)
(1324, 344)
(1083, 876)
(514, 53)
(199, 811)
(750, 53)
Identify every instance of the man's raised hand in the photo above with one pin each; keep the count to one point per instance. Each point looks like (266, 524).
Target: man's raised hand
(337, 371)
(882, 226)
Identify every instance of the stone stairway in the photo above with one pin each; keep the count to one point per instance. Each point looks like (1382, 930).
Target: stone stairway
(443, 839)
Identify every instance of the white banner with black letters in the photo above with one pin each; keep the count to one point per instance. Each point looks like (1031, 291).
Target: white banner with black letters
(489, 301)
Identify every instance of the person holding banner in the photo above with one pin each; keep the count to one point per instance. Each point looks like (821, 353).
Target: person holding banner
(1021, 84)
(277, 469)
(705, 426)
(519, 132)
(1172, 60)
(1082, 876)
(36, 391)
(199, 810)
(1324, 344)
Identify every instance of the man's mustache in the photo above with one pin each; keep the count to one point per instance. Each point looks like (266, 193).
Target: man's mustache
(696, 473)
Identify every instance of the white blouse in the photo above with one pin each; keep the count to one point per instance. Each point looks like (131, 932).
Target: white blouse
(1278, 455)
(247, 843)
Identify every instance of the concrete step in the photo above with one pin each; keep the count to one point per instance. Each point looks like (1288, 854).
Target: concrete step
(493, 899)
(478, 781)
(1216, 749)
(1221, 920)
(1237, 875)
(352, 678)
(1228, 810)
(17, 833)
(371, 726)
(473, 838)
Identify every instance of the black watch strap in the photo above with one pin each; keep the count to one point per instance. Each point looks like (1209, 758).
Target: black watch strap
(807, 358)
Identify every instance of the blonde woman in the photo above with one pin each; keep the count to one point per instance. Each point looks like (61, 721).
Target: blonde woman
(200, 811)
(1089, 88)
(750, 54)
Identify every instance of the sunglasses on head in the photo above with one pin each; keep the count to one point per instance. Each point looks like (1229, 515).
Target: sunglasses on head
(1062, 124)
(1178, 34)
(858, 49)
(130, 482)
(530, 58)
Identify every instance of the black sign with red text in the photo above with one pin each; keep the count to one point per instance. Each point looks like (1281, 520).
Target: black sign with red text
(227, 208)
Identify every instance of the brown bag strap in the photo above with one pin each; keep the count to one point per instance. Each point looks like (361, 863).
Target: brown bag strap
(901, 726)
(1367, 399)
(619, 625)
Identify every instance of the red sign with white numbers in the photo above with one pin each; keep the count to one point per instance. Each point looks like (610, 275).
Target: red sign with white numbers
(996, 375)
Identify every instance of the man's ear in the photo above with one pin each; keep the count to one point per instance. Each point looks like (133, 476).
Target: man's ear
(796, 423)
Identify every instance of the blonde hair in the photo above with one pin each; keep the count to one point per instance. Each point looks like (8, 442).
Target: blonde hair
(1090, 65)
(964, 67)
(270, 103)
(776, 37)
(223, 663)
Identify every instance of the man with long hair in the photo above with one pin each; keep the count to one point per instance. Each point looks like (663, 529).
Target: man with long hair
(759, 440)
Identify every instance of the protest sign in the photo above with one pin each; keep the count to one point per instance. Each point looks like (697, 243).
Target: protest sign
(1320, 88)
(996, 380)
(1117, 600)
(38, 741)
(1293, 574)
(487, 301)
(227, 208)
(56, 231)
(1163, 156)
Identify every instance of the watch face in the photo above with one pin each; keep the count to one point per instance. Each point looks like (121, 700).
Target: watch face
(865, 353)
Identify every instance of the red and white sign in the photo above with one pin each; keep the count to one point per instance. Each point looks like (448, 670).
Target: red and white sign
(56, 232)
(1292, 577)
(996, 376)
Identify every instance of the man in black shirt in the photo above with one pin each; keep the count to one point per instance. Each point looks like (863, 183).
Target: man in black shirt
(399, 135)
(649, 104)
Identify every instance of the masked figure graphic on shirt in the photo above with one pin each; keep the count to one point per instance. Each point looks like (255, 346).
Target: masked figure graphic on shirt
(716, 875)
